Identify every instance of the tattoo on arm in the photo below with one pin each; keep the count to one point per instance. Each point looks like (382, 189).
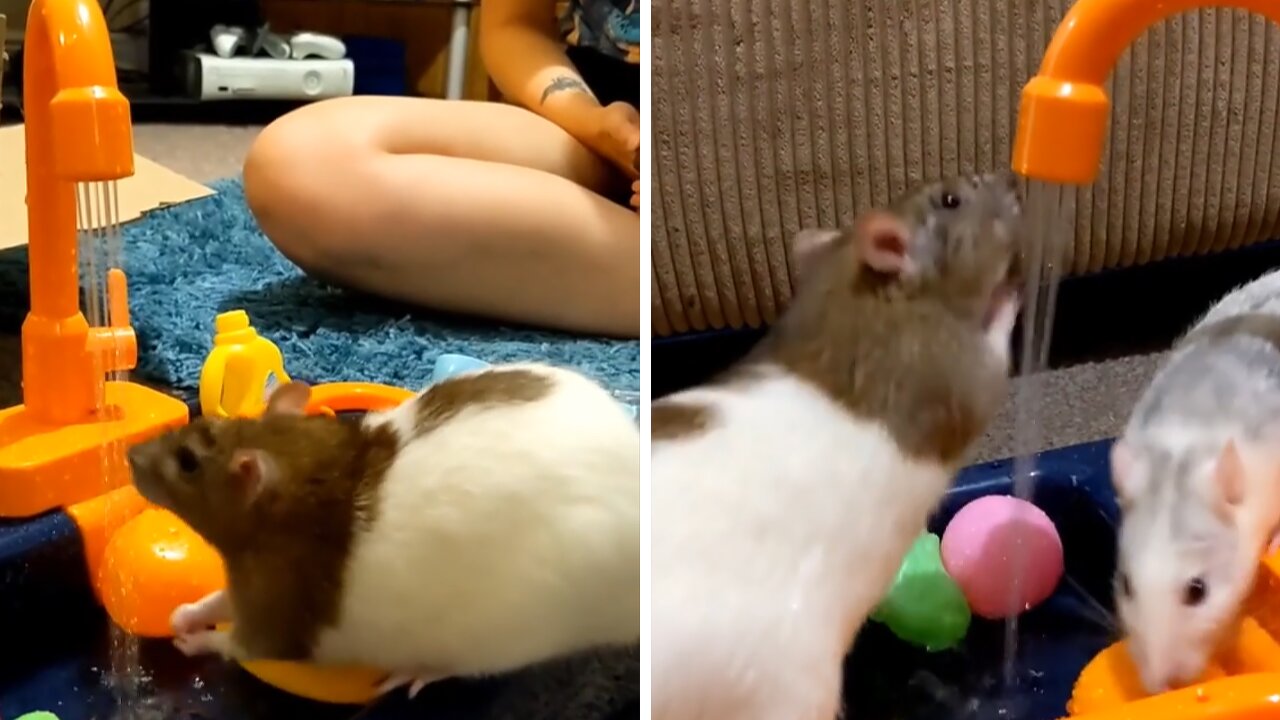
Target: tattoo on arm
(564, 82)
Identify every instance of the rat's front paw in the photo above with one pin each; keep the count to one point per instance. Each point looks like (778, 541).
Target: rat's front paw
(1002, 316)
(204, 642)
(204, 613)
(415, 681)
(187, 620)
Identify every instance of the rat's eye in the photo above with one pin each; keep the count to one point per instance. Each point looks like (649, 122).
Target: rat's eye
(1195, 592)
(950, 201)
(1122, 584)
(187, 460)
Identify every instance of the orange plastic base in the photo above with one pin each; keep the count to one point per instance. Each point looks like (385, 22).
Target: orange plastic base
(155, 562)
(98, 520)
(43, 467)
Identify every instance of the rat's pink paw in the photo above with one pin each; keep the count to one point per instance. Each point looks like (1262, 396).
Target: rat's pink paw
(187, 620)
(415, 682)
(190, 644)
(203, 642)
(202, 614)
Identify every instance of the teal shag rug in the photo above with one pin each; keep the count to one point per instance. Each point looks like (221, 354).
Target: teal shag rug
(187, 263)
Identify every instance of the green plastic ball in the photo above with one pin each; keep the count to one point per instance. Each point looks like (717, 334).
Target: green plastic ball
(925, 607)
(38, 715)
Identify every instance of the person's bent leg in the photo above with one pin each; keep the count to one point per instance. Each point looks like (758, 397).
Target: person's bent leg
(477, 208)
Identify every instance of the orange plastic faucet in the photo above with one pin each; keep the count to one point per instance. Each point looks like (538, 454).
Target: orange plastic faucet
(77, 130)
(1062, 117)
(64, 444)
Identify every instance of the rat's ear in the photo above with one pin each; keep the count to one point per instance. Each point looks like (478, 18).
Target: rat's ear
(289, 399)
(1123, 478)
(251, 470)
(807, 246)
(883, 243)
(1229, 476)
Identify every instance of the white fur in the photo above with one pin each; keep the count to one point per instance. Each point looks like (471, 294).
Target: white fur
(1201, 398)
(775, 533)
(507, 536)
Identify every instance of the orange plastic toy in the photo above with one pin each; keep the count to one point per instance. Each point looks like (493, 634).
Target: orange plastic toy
(153, 564)
(64, 444)
(1062, 117)
(1109, 687)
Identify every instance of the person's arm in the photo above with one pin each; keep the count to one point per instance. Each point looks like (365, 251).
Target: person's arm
(522, 52)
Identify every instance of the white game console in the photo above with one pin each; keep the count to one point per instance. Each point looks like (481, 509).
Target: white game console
(212, 77)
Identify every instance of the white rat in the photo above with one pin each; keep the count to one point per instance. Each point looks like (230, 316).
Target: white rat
(488, 524)
(787, 491)
(1197, 476)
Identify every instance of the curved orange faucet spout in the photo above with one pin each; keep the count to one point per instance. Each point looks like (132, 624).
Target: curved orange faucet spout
(77, 130)
(1062, 118)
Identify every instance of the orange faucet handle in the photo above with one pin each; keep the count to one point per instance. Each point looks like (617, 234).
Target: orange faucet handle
(115, 347)
(117, 298)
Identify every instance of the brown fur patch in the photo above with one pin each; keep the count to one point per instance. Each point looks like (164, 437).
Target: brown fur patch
(929, 379)
(446, 399)
(909, 352)
(287, 587)
(672, 419)
(286, 550)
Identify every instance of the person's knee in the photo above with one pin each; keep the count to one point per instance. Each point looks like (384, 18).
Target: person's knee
(271, 173)
(291, 180)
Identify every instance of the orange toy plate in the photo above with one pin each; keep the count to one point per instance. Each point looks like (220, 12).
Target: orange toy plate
(1240, 697)
(1108, 687)
(341, 685)
(1110, 680)
(347, 396)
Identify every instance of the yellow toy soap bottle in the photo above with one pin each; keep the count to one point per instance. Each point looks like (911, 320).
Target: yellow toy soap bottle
(241, 369)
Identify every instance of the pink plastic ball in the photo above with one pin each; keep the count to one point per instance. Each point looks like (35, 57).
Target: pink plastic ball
(990, 542)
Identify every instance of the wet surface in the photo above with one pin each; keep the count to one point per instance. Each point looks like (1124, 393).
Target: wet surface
(71, 674)
(886, 679)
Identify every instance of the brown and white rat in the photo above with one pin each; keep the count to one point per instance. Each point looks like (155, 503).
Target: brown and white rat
(1197, 476)
(487, 524)
(787, 491)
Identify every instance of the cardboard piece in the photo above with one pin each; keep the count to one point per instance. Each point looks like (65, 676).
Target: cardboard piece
(150, 187)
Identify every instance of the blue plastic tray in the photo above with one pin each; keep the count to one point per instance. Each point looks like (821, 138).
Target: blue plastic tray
(886, 679)
(48, 612)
